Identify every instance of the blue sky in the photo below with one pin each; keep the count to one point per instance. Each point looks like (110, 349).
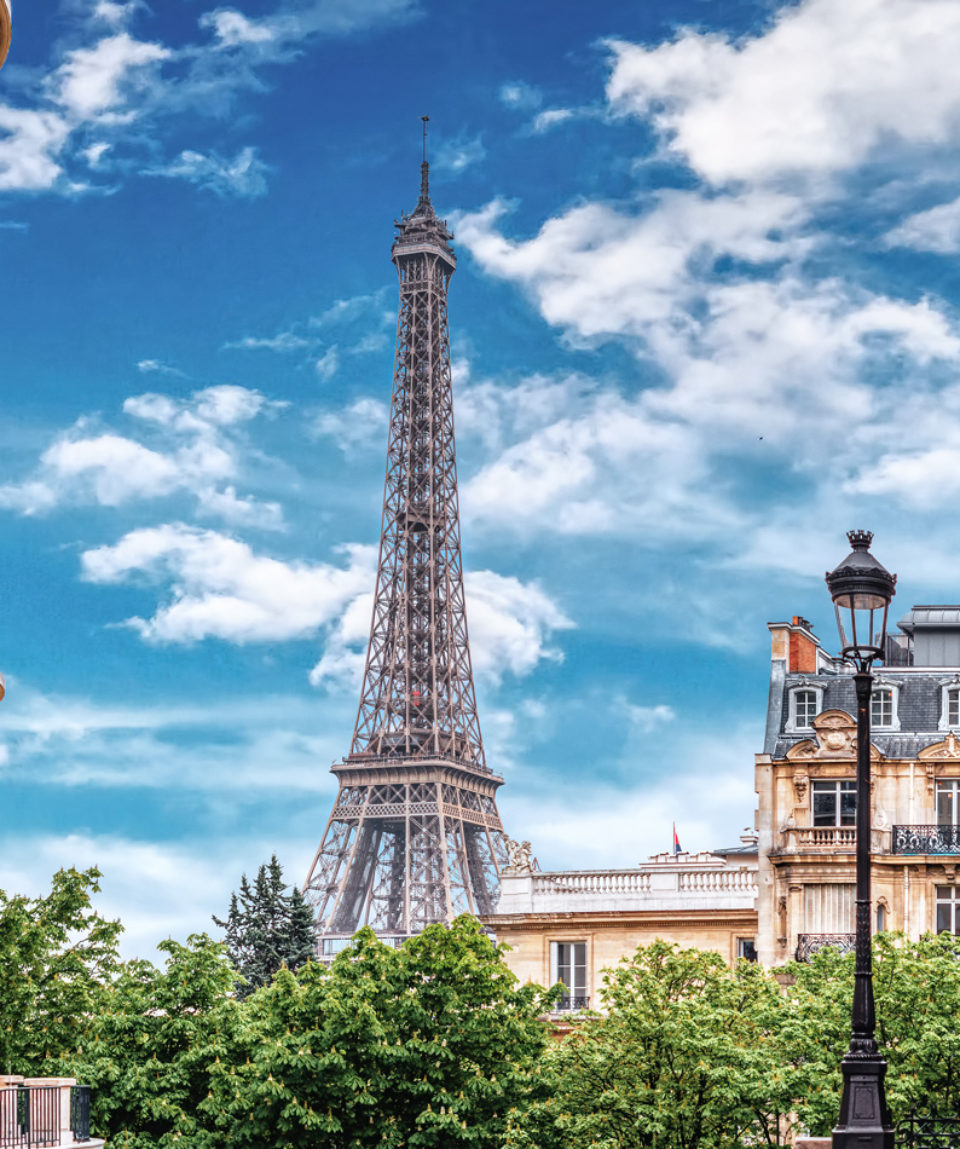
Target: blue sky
(705, 320)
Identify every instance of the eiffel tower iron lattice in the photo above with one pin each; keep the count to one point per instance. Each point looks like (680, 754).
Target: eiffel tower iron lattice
(414, 836)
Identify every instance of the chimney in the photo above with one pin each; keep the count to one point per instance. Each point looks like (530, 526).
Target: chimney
(795, 644)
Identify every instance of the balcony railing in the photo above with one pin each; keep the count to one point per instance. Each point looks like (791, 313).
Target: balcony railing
(831, 840)
(809, 944)
(48, 1115)
(569, 1004)
(926, 839)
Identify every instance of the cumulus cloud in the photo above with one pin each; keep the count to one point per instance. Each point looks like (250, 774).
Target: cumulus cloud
(816, 92)
(195, 450)
(936, 229)
(220, 588)
(511, 628)
(457, 154)
(362, 424)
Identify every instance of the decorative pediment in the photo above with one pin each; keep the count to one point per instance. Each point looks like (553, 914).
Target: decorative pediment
(943, 751)
(836, 738)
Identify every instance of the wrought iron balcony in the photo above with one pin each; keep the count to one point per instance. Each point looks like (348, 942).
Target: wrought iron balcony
(49, 1112)
(809, 944)
(568, 1004)
(926, 839)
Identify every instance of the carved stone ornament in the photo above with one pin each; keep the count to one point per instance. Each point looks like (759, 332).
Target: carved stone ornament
(800, 783)
(941, 751)
(836, 739)
(520, 859)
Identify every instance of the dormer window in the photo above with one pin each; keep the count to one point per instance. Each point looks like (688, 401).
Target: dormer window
(950, 703)
(881, 708)
(805, 705)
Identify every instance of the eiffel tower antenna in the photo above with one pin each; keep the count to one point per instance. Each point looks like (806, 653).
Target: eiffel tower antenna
(414, 836)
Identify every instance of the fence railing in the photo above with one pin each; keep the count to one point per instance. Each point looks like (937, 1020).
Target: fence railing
(38, 1116)
(568, 1003)
(926, 839)
(593, 882)
(809, 944)
(929, 1131)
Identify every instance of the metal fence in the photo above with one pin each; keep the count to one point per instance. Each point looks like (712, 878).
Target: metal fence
(42, 1116)
(809, 944)
(567, 1003)
(929, 1131)
(926, 839)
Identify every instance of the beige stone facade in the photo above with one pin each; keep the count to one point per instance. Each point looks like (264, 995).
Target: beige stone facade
(572, 925)
(806, 798)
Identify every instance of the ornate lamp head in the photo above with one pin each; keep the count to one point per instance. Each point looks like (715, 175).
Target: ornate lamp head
(861, 589)
(5, 28)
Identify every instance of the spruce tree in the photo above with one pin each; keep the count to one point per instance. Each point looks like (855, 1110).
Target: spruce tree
(267, 928)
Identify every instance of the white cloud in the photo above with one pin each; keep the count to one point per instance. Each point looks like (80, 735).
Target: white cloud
(362, 424)
(511, 625)
(936, 229)
(92, 82)
(648, 718)
(818, 91)
(552, 118)
(284, 341)
(232, 28)
(31, 143)
(520, 95)
(328, 364)
(196, 451)
(221, 589)
(457, 154)
(244, 175)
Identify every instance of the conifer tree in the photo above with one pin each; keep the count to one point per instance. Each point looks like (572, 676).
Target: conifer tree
(267, 928)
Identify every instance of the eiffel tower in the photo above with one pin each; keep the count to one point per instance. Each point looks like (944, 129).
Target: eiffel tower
(414, 836)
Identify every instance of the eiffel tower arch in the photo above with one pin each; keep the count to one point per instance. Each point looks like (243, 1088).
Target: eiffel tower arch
(414, 836)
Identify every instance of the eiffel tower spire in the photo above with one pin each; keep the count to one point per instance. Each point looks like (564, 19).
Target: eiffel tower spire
(414, 836)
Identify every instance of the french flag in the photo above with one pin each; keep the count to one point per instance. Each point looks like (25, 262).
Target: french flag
(676, 840)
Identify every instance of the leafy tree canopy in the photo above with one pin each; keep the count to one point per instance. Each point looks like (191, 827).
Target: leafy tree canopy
(55, 955)
(429, 1045)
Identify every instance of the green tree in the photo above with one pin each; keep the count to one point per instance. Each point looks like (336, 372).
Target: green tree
(429, 1045)
(55, 955)
(150, 1048)
(917, 992)
(267, 928)
(683, 1059)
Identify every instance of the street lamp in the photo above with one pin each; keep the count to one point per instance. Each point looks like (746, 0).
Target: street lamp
(4, 29)
(861, 589)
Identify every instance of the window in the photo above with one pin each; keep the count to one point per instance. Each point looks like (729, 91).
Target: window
(568, 961)
(828, 909)
(747, 949)
(804, 708)
(834, 803)
(881, 708)
(950, 704)
(948, 801)
(881, 918)
(948, 910)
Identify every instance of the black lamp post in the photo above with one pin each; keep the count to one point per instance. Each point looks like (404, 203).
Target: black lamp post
(861, 590)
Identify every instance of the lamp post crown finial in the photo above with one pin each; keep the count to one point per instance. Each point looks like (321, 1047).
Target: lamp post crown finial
(860, 540)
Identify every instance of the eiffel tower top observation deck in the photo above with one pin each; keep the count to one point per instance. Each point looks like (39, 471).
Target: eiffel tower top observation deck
(414, 836)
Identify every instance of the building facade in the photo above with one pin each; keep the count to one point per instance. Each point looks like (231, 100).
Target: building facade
(806, 788)
(569, 926)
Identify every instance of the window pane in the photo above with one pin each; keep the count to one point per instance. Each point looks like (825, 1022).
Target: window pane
(824, 804)
(881, 708)
(943, 917)
(805, 707)
(953, 707)
(946, 804)
(848, 804)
